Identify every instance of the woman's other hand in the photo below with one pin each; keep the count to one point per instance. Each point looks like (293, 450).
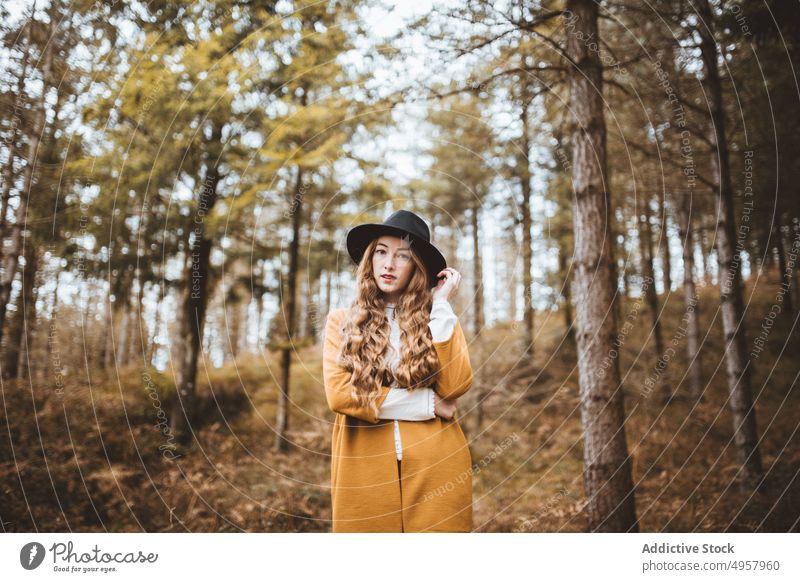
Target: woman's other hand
(447, 286)
(444, 408)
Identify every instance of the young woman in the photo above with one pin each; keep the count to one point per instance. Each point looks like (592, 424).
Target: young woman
(394, 363)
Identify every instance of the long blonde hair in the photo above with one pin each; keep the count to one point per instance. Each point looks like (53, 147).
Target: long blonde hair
(365, 334)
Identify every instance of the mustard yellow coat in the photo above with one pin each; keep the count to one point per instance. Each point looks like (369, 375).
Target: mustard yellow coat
(431, 490)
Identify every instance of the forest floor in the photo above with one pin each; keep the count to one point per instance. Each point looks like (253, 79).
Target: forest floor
(90, 458)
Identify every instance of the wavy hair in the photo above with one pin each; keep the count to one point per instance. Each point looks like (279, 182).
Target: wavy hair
(365, 334)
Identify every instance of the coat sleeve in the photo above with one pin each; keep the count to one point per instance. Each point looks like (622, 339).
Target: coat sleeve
(455, 373)
(338, 389)
(402, 404)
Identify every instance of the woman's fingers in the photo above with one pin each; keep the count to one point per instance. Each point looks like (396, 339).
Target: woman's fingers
(450, 274)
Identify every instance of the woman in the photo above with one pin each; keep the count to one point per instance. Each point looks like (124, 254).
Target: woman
(394, 363)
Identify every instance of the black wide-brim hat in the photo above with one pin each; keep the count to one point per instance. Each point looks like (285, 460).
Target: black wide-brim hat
(401, 223)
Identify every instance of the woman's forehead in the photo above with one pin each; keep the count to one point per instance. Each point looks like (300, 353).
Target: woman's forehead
(394, 241)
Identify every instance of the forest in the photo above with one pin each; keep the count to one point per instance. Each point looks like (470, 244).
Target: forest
(615, 180)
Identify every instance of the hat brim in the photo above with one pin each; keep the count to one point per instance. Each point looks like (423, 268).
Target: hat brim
(359, 237)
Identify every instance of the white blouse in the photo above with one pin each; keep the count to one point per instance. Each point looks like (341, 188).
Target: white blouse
(403, 404)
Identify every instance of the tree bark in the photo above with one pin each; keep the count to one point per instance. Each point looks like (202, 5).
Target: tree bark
(232, 328)
(667, 255)
(195, 302)
(705, 253)
(777, 236)
(786, 269)
(728, 259)
(151, 349)
(12, 341)
(52, 333)
(626, 272)
(244, 320)
(190, 335)
(124, 336)
(328, 291)
(508, 265)
(259, 319)
(312, 310)
(607, 465)
(793, 248)
(794, 229)
(613, 265)
(8, 169)
(112, 312)
(563, 267)
(28, 311)
(11, 256)
(691, 324)
(478, 319)
(527, 242)
(13, 337)
(138, 334)
(651, 296)
(289, 304)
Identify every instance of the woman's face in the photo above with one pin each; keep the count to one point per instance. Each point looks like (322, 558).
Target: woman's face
(392, 266)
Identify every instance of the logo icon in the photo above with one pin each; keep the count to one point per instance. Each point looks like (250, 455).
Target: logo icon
(31, 555)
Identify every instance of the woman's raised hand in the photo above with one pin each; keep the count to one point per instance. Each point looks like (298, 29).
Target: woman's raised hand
(444, 408)
(447, 287)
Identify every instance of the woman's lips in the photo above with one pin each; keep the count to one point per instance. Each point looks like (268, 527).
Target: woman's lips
(388, 277)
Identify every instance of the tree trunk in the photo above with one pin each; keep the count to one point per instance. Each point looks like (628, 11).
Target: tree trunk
(195, 303)
(793, 248)
(613, 266)
(305, 325)
(328, 290)
(563, 267)
(510, 273)
(301, 304)
(728, 259)
(13, 337)
(244, 320)
(527, 242)
(28, 311)
(11, 256)
(259, 320)
(210, 330)
(777, 236)
(623, 264)
(784, 267)
(651, 295)
(8, 169)
(232, 329)
(289, 303)
(151, 350)
(124, 336)
(190, 336)
(664, 232)
(312, 312)
(112, 314)
(705, 253)
(626, 283)
(607, 466)
(137, 341)
(52, 336)
(691, 325)
(478, 319)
